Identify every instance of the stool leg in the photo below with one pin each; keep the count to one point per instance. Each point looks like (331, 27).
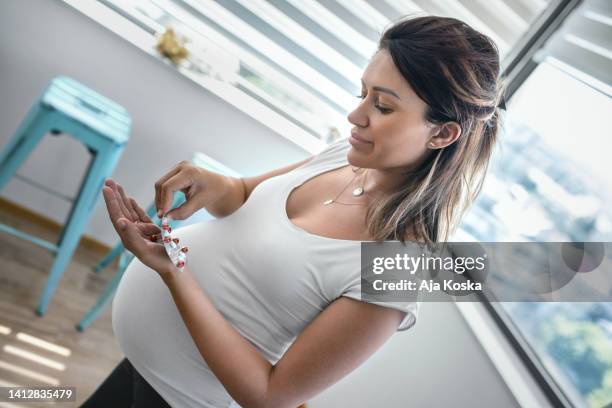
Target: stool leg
(24, 140)
(23, 128)
(106, 295)
(100, 169)
(112, 254)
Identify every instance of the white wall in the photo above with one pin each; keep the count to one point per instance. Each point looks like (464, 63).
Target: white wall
(172, 117)
(437, 363)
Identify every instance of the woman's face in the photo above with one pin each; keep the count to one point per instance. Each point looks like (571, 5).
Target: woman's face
(390, 118)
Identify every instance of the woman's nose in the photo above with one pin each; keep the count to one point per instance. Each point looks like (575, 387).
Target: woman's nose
(357, 117)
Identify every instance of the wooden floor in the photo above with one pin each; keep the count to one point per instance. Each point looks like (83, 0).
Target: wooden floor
(88, 356)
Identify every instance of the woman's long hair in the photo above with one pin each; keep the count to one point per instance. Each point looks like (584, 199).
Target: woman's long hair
(456, 71)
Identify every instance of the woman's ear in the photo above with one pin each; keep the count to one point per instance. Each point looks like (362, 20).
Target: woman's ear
(444, 135)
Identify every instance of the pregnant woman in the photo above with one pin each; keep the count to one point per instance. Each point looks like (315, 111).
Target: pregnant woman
(268, 312)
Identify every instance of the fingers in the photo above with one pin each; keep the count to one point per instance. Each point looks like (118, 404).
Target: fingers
(175, 183)
(158, 186)
(142, 215)
(148, 229)
(112, 205)
(128, 204)
(185, 210)
(115, 197)
(124, 211)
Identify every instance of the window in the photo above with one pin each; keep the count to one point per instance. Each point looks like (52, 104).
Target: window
(552, 179)
(301, 59)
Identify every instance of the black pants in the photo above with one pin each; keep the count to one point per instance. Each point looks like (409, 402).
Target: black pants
(125, 388)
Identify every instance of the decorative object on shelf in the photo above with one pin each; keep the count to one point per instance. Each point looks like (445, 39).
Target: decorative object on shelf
(333, 135)
(171, 46)
(201, 58)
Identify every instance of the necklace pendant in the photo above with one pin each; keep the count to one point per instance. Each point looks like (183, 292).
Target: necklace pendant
(358, 191)
(328, 202)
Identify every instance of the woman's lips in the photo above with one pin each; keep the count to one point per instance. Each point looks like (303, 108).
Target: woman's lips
(354, 139)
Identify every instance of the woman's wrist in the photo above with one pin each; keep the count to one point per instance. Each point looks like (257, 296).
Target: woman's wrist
(172, 277)
(229, 195)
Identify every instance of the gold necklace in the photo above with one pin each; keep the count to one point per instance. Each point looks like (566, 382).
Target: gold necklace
(356, 192)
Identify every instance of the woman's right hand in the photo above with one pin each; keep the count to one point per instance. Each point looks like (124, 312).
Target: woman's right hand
(200, 186)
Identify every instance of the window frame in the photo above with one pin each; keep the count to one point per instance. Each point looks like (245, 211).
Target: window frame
(519, 64)
(553, 392)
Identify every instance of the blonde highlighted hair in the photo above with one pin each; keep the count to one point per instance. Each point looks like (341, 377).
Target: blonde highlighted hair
(456, 71)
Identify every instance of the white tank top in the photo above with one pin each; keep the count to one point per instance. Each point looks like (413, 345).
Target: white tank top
(266, 276)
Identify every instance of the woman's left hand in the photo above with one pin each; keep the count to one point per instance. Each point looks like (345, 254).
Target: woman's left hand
(135, 228)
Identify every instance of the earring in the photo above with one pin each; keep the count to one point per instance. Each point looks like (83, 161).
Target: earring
(432, 145)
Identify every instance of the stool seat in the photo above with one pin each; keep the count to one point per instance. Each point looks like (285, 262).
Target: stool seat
(103, 126)
(88, 108)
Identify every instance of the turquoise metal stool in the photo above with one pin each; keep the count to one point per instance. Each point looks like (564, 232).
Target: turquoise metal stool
(125, 257)
(67, 106)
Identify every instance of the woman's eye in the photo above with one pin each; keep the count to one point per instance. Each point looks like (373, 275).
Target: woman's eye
(380, 108)
(383, 110)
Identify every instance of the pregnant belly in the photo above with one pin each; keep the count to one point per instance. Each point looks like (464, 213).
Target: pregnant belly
(146, 323)
(153, 336)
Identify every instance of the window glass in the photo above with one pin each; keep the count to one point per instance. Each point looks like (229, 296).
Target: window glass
(550, 181)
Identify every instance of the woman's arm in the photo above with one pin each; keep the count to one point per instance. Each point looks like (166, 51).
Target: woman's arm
(337, 341)
(234, 360)
(221, 195)
(237, 190)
